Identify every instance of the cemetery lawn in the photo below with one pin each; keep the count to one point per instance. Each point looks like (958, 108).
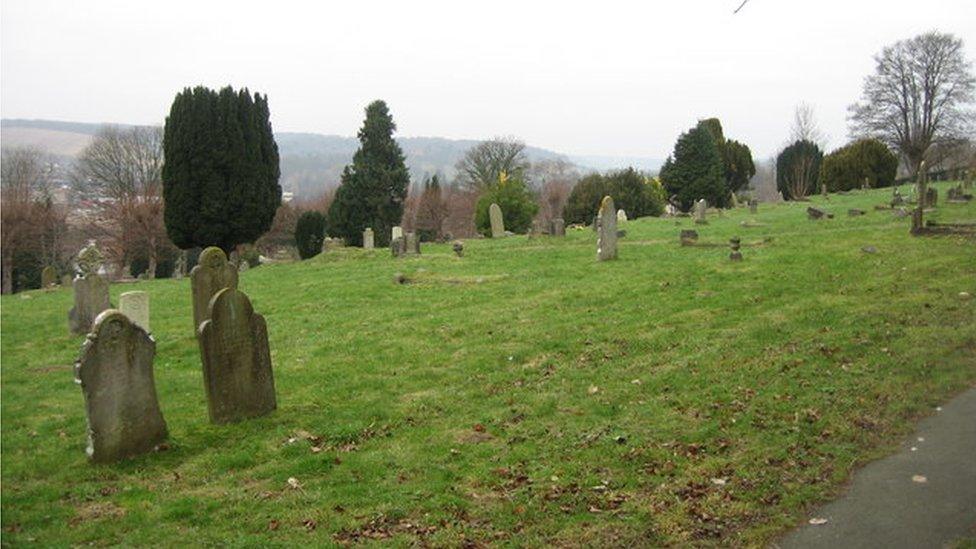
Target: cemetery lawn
(524, 394)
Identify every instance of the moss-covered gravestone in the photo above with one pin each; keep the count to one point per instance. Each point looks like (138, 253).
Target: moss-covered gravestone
(91, 298)
(236, 359)
(49, 277)
(212, 274)
(606, 239)
(497, 222)
(115, 372)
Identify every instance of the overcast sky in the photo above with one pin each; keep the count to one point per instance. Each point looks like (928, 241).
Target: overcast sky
(600, 77)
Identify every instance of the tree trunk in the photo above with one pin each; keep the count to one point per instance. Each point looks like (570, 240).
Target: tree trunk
(153, 257)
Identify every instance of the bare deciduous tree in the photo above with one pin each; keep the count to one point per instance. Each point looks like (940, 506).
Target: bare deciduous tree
(555, 180)
(25, 181)
(120, 171)
(482, 164)
(805, 127)
(917, 96)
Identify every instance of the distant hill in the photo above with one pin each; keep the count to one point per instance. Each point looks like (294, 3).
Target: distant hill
(310, 162)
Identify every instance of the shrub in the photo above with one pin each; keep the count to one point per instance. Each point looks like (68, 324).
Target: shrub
(633, 193)
(516, 202)
(847, 167)
(695, 169)
(798, 169)
(309, 234)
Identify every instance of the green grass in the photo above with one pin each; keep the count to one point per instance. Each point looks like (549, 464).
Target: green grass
(522, 395)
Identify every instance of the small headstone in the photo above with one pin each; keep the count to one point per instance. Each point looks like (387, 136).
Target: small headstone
(734, 244)
(236, 359)
(735, 201)
(689, 237)
(179, 271)
(398, 246)
(115, 371)
(135, 306)
(212, 274)
(497, 222)
(91, 298)
(854, 212)
(700, 208)
(753, 206)
(49, 277)
(396, 232)
(458, 248)
(621, 215)
(815, 213)
(368, 239)
(606, 241)
(66, 280)
(557, 227)
(412, 243)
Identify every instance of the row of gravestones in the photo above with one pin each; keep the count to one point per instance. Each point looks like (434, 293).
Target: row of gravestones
(115, 368)
(557, 226)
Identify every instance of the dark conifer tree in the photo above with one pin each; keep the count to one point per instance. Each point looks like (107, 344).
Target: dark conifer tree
(309, 234)
(374, 186)
(695, 170)
(220, 171)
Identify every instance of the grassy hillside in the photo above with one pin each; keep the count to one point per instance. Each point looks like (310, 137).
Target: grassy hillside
(524, 394)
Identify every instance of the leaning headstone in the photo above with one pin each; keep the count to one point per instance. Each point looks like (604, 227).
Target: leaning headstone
(49, 277)
(396, 232)
(734, 244)
(689, 237)
(606, 240)
(236, 359)
(368, 239)
(115, 371)
(135, 306)
(91, 298)
(557, 227)
(212, 274)
(753, 206)
(621, 215)
(497, 222)
(700, 208)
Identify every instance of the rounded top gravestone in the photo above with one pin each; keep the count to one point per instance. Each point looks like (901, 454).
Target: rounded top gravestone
(212, 274)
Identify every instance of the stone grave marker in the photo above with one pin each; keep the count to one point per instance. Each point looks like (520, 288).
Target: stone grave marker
(66, 280)
(398, 246)
(411, 243)
(734, 244)
(396, 232)
(115, 371)
(236, 359)
(931, 197)
(557, 227)
(91, 298)
(135, 306)
(816, 213)
(753, 206)
(368, 239)
(49, 277)
(621, 215)
(699, 210)
(458, 248)
(606, 240)
(497, 221)
(689, 237)
(212, 274)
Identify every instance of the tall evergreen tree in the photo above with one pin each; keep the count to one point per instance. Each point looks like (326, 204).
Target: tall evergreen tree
(220, 171)
(431, 211)
(798, 169)
(374, 186)
(736, 157)
(695, 169)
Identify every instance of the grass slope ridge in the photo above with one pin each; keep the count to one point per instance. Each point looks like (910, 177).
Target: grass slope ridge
(524, 394)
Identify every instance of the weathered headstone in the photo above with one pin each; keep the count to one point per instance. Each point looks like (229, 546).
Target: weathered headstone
(368, 239)
(179, 271)
(412, 243)
(497, 222)
(931, 197)
(236, 359)
(89, 259)
(753, 206)
(91, 298)
(212, 274)
(135, 306)
(815, 213)
(458, 248)
(734, 244)
(735, 200)
(115, 371)
(689, 237)
(557, 227)
(49, 277)
(699, 210)
(398, 246)
(606, 239)
(243, 266)
(66, 280)
(621, 215)
(396, 232)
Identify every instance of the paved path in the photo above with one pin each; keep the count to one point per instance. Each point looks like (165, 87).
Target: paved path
(885, 507)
